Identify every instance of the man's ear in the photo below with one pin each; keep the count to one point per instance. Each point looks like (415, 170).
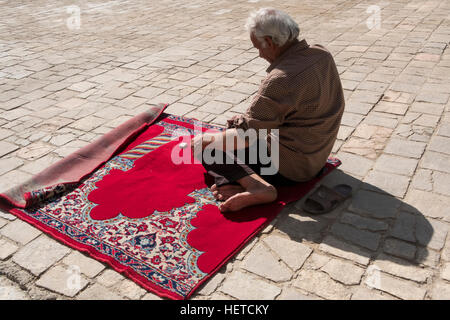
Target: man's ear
(269, 42)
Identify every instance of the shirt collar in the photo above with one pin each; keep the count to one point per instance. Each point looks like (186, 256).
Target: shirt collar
(296, 46)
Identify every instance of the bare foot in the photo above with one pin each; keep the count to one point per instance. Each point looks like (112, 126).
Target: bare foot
(225, 192)
(249, 197)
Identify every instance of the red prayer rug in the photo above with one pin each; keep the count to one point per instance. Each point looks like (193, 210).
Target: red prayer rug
(124, 201)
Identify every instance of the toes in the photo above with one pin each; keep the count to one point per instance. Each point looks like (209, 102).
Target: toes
(223, 207)
(228, 205)
(219, 196)
(213, 188)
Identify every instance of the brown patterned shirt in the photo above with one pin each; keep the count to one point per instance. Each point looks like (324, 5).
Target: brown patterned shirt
(301, 96)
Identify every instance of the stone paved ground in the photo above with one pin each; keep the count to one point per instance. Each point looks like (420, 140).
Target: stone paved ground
(63, 85)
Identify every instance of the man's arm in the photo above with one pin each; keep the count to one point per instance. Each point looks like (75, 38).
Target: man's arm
(227, 140)
(269, 107)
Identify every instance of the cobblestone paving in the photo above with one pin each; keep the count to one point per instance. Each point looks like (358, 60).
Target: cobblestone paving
(64, 83)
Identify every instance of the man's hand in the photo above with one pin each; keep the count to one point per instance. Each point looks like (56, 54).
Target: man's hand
(231, 123)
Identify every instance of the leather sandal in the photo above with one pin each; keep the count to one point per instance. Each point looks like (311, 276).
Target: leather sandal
(325, 199)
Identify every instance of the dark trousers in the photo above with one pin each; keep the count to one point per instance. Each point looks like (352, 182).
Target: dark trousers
(228, 171)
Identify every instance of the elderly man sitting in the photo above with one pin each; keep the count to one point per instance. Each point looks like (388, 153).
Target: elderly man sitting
(301, 98)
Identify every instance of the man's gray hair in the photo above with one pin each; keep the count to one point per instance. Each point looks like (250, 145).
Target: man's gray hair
(273, 23)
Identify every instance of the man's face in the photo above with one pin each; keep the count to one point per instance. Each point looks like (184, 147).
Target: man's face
(266, 52)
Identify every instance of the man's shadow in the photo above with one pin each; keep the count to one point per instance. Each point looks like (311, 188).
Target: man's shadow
(372, 225)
